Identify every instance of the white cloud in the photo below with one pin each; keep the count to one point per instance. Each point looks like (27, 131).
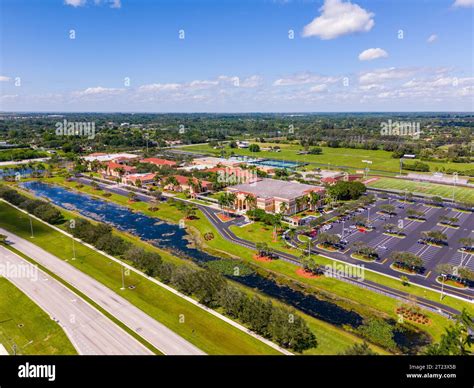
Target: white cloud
(160, 87)
(319, 88)
(304, 78)
(339, 18)
(115, 4)
(464, 3)
(372, 87)
(372, 53)
(222, 81)
(198, 84)
(75, 3)
(251, 82)
(97, 92)
(4, 78)
(383, 75)
(80, 3)
(432, 38)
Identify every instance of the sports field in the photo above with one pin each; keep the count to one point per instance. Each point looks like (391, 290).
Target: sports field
(332, 157)
(461, 194)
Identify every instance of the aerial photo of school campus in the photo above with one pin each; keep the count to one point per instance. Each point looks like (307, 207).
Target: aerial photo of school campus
(309, 192)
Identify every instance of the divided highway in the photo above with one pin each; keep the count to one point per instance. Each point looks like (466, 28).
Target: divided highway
(149, 329)
(90, 332)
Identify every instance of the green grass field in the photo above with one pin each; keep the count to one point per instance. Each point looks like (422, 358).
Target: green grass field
(461, 194)
(382, 160)
(26, 325)
(207, 332)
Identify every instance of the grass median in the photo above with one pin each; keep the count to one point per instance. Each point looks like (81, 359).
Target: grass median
(25, 325)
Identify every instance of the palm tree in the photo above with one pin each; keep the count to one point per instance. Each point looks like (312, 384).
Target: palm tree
(251, 201)
(231, 197)
(192, 184)
(313, 199)
(300, 201)
(171, 180)
(283, 207)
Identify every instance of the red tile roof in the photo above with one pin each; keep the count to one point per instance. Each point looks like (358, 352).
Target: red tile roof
(115, 166)
(329, 180)
(158, 162)
(143, 178)
(183, 180)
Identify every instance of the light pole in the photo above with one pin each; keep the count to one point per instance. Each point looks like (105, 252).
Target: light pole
(368, 215)
(123, 278)
(343, 228)
(455, 179)
(31, 226)
(443, 276)
(146, 138)
(73, 248)
(368, 162)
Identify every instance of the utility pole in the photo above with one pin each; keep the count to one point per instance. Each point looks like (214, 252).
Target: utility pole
(442, 286)
(31, 226)
(455, 179)
(368, 162)
(73, 248)
(123, 278)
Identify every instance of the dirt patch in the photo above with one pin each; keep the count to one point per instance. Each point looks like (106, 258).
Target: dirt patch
(224, 218)
(261, 258)
(306, 274)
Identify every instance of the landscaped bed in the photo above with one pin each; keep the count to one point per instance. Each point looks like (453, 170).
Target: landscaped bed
(402, 269)
(448, 225)
(396, 235)
(451, 283)
(413, 314)
(363, 257)
(307, 274)
(328, 248)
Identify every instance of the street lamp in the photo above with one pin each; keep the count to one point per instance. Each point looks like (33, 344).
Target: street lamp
(367, 168)
(73, 248)
(31, 226)
(455, 179)
(443, 276)
(123, 278)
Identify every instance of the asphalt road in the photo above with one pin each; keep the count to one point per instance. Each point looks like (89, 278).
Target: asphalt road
(151, 330)
(91, 332)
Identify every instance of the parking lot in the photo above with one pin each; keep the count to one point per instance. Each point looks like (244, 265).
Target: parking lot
(385, 244)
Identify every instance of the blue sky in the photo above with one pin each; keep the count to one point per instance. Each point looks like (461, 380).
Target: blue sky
(236, 56)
